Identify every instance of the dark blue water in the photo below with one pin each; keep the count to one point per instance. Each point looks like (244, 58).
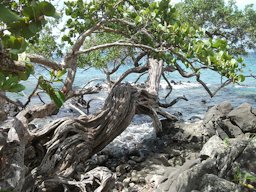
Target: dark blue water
(235, 93)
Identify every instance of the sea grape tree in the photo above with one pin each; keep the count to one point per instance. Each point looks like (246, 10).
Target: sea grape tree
(99, 32)
(222, 19)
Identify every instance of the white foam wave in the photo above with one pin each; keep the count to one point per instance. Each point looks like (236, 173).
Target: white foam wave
(132, 136)
(244, 86)
(179, 85)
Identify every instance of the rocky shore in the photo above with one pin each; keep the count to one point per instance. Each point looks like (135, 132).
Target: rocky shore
(216, 154)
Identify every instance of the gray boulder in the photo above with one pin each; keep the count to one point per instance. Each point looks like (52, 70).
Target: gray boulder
(218, 172)
(229, 128)
(213, 147)
(244, 117)
(3, 116)
(212, 183)
(210, 121)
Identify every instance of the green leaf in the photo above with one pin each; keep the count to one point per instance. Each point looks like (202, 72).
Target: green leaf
(138, 19)
(241, 78)
(220, 43)
(61, 73)
(60, 97)
(57, 96)
(16, 88)
(47, 8)
(35, 27)
(8, 83)
(33, 12)
(7, 16)
(240, 60)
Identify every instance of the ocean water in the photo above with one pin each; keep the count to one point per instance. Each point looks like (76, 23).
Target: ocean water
(198, 99)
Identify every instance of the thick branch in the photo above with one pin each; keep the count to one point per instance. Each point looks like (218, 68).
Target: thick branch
(155, 72)
(82, 37)
(10, 66)
(90, 90)
(44, 61)
(140, 69)
(184, 73)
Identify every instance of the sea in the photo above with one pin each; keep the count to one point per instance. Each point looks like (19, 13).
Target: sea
(140, 131)
(198, 102)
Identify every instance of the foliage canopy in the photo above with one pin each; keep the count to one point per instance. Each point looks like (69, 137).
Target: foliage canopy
(110, 30)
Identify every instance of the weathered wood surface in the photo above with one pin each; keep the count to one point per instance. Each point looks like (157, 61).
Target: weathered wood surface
(54, 152)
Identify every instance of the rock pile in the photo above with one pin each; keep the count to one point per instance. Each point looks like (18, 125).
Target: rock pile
(217, 154)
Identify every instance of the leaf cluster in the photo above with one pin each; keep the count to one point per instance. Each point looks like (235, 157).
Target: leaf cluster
(158, 25)
(222, 19)
(20, 21)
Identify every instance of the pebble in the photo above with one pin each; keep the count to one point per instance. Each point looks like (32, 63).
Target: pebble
(132, 163)
(131, 184)
(101, 159)
(120, 169)
(135, 179)
(136, 159)
(142, 180)
(133, 173)
(126, 181)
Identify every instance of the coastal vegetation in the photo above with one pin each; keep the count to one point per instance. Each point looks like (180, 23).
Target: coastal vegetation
(155, 37)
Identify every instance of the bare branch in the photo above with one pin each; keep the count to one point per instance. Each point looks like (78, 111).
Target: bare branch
(167, 115)
(40, 98)
(140, 69)
(90, 90)
(169, 85)
(184, 73)
(96, 79)
(193, 74)
(110, 30)
(77, 109)
(120, 44)
(204, 85)
(227, 82)
(44, 61)
(140, 77)
(138, 58)
(166, 105)
(31, 95)
(118, 65)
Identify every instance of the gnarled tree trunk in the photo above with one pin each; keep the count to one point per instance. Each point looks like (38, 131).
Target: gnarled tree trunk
(65, 144)
(62, 148)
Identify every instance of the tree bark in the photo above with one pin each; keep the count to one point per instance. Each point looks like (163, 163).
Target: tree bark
(3, 115)
(154, 72)
(62, 146)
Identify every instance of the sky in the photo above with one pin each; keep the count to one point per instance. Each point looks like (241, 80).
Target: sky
(242, 3)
